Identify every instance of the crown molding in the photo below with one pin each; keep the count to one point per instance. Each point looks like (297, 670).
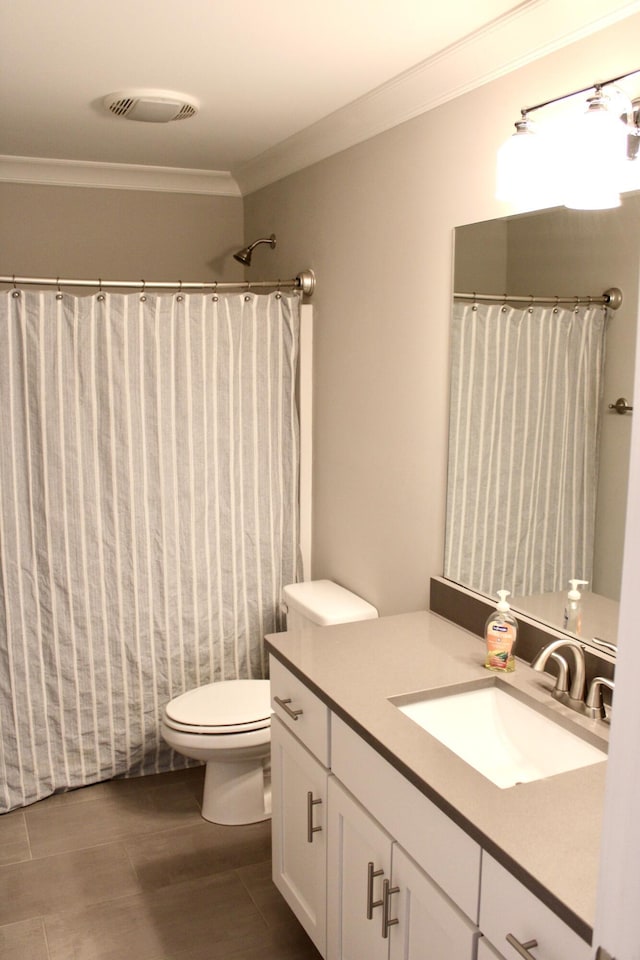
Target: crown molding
(533, 29)
(117, 176)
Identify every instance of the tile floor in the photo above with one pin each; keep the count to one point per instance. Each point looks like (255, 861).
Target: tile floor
(128, 870)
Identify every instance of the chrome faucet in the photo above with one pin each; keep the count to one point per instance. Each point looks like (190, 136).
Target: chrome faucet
(595, 702)
(575, 697)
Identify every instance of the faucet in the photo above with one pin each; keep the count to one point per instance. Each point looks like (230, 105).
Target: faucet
(575, 698)
(595, 701)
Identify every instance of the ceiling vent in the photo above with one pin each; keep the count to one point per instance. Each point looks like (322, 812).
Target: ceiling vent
(151, 106)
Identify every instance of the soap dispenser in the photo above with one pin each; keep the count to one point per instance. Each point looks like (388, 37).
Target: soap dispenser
(573, 609)
(500, 634)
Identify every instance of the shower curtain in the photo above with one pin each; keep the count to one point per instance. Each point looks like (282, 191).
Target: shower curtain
(148, 518)
(523, 456)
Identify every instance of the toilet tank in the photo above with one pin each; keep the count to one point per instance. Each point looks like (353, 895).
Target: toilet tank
(323, 602)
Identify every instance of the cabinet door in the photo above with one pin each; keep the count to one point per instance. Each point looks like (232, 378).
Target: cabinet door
(298, 831)
(358, 863)
(486, 951)
(430, 926)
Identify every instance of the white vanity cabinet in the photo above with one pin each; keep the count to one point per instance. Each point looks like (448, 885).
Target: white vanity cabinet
(439, 847)
(299, 800)
(373, 868)
(380, 904)
(508, 908)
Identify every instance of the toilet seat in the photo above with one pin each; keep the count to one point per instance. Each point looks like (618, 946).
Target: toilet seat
(226, 707)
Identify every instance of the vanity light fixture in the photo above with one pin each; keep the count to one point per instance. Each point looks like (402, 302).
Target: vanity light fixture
(583, 164)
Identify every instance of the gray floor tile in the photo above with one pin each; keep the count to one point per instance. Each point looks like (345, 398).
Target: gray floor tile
(57, 828)
(192, 777)
(36, 888)
(23, 941)
(199, 850)
(140, 876)
(164, 923)
(14, 841)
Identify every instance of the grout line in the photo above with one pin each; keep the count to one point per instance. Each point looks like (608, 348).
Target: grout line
(238, 873)
(26, 830)
(45, 936)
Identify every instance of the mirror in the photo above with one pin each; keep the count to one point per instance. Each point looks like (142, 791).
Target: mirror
(550, 253)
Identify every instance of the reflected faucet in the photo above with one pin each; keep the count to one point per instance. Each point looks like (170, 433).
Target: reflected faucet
(575, 698)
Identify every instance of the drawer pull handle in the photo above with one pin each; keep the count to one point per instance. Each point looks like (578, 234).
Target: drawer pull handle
(294, 714)
(522, 949)
(311, 803)
(387, 922)
(371, 903)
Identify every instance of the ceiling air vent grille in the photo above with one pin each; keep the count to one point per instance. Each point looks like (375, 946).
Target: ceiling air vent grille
(186, 111)
(121, 107)
(151, 106)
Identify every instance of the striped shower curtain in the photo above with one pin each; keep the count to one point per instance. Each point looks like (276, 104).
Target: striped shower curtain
(148, 518)
(523, 446)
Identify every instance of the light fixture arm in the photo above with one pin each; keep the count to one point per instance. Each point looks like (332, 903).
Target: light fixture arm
(594, 86)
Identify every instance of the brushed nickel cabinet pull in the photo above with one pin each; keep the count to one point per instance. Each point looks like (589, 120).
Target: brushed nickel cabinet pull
(522, 949)
(371, 903)
(387, 922)
(294, 714)
(311, 803)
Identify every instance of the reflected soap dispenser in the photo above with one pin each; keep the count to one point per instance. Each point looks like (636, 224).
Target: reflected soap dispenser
(573, 610)
(500, 632)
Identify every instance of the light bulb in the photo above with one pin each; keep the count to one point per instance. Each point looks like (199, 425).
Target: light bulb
(596, 146)
(523, 164)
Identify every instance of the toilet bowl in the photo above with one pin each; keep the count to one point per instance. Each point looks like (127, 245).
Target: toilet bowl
(227, 725)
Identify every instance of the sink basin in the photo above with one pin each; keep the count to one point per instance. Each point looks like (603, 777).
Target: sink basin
(506, 738)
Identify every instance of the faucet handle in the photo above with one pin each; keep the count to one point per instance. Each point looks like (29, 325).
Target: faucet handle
(595, 701)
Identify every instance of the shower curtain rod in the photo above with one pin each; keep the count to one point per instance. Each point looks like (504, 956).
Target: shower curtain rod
(305, 282)
(610, 298)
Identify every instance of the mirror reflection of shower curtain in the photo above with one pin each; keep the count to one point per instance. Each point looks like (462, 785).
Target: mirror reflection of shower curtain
(526, 393)
(148, 518)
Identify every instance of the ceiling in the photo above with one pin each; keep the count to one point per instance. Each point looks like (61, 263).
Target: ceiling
(279, 84)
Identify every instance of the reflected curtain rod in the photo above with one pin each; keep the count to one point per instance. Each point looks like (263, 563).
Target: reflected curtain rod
(610, 298)
(305, 282)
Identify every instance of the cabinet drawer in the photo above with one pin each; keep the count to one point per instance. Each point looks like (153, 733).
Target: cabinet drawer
(300, 710)
(506, 906)
(444, 851)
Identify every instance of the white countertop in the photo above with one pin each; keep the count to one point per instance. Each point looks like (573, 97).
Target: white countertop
(546, 832)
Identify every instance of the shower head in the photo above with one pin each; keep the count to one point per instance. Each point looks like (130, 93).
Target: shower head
(244, 255)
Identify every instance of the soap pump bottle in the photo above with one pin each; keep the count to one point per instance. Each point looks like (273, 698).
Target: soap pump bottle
(573, 610)
(500, 634)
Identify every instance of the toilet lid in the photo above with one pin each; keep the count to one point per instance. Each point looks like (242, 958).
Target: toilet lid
(229, 705)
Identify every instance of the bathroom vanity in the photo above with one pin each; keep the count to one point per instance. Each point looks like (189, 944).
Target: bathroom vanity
(386, 842)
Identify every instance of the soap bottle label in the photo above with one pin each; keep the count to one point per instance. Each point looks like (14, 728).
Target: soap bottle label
(500, 640)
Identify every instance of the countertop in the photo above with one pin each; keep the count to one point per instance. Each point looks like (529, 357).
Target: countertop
(547, 833)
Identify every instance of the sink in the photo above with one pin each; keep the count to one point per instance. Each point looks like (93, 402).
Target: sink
(502, 734)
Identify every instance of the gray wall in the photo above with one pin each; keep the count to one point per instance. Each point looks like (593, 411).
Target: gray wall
(118, 234)
(376, 224)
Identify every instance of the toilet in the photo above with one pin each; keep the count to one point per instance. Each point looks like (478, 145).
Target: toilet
(227, 724)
